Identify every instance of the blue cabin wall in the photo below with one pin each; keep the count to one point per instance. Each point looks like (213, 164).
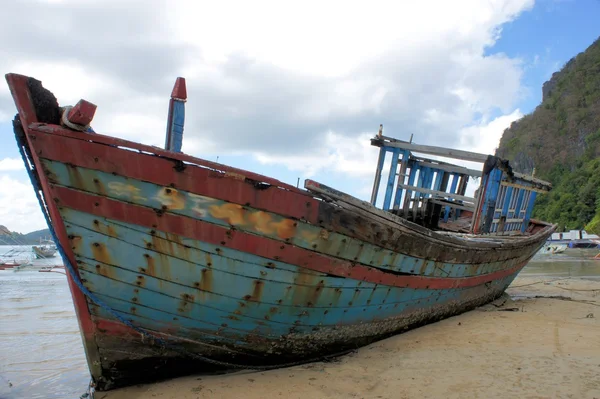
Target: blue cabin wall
(505, 205)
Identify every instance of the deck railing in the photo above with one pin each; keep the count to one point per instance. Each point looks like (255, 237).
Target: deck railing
(430, 191)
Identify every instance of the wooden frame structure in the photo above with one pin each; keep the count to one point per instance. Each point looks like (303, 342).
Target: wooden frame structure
(432, 192)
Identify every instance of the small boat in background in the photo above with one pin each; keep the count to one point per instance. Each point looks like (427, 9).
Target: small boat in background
(551, 249)
(45, 249)
(583, 243)
(4, 265)
(14, 259)
(177, 264)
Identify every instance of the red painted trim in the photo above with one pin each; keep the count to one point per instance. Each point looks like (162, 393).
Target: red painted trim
(82, 113)
(179, 90)
(261, 246)
(113, 141)
(196, 180)
(21, 96)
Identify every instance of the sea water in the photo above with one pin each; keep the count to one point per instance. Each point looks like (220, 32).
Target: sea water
(41, 353)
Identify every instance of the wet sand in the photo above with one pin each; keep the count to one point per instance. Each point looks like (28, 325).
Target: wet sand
(521, 346)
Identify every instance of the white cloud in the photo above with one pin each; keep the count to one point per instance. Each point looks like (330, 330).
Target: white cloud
(11, 164)
(293, 85)
(485, 137)
(19, 209)
(355, 157)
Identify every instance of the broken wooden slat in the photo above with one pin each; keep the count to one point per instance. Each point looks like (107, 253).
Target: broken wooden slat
(438, 151)
(439, 193)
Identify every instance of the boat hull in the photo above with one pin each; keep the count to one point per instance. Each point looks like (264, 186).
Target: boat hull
(128, 359)
(230, 282)
(177, 264)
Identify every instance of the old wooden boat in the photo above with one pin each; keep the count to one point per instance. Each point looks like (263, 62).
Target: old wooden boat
(178, 265)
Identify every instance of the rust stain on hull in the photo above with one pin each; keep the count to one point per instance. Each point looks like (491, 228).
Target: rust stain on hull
(257, 291)
(150, 265)
(101, 253)
(206, 282)
(186, 302)
(105, 229)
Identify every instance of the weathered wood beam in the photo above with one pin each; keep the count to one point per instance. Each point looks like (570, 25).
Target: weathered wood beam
(439, 151)
(454, 205)
(545, 186)
(528, 188)
(438, 193)
(377, 180)
(450, 168)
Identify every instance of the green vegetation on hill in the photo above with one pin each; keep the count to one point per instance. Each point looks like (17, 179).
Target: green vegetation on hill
(561, 140)
(13, 238)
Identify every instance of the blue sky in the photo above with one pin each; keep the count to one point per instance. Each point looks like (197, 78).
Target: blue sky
(546, 38)
(534, 44)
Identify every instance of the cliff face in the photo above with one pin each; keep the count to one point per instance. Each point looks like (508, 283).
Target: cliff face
(561, 140)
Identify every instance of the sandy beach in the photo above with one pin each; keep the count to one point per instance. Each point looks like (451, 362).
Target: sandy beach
(541, 342)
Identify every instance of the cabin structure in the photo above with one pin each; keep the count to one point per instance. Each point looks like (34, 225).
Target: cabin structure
(432, 193)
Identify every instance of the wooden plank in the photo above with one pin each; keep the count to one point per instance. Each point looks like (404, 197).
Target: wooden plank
(454, 205)
(440, 151)
(391, 177)
(411, 180)
(508, 220)
(258, 245)
(439, 193)
(377, 180)
(449, 168)
(528, 188)
(401, 178)
(142, 148)
(532, 179)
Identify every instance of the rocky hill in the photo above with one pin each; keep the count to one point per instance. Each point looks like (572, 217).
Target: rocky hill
(8, 237)
(561, 140)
